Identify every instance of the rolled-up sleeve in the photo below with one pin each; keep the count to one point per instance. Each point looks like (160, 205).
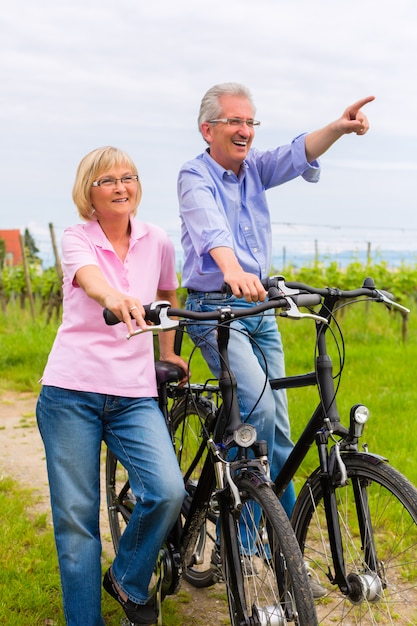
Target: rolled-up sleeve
(282, 164)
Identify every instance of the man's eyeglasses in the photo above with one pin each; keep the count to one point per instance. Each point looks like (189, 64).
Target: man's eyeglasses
(112, 182)
(235, 121)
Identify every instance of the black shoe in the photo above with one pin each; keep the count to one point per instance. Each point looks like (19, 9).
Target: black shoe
(139, 614)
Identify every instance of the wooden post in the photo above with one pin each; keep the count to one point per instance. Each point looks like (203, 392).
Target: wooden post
(404, 326)
(368, 253)
(56, 254)
(27, 276)
(368, 263)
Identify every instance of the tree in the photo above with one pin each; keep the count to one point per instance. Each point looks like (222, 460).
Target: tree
(30, 246)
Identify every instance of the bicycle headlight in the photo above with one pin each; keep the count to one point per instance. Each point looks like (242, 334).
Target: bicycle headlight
(245, 435)
(359, 415)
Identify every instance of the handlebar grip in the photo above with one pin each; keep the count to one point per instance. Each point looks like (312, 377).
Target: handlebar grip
(306, 299)
(151, 315)
(110, 318)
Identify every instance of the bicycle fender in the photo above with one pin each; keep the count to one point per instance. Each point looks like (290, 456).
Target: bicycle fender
(256, 477)
(372, 457)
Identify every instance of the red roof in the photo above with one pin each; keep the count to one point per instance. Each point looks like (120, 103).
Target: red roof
(13, 249)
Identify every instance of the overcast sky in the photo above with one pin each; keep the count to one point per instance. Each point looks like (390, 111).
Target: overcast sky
(79, 75)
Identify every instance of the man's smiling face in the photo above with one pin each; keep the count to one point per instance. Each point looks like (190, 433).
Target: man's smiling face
(229, 145)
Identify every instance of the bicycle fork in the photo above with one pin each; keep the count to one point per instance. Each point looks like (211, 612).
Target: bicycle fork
(357, 586)
(230, 506)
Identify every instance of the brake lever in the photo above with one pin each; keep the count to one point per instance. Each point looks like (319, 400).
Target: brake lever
(391, 303)
(294, 313)
(284, 289)
(166, 323)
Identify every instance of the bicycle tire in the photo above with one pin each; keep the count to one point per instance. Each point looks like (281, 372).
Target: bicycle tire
(266, 561)
(392, 501)
(188, 417)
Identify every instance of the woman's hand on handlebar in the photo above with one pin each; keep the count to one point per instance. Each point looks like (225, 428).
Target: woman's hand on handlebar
(127, 309)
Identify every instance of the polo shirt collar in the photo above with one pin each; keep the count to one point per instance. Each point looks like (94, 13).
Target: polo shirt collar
(137, 231)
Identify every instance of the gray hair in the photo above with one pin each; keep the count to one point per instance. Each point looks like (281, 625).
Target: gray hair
(210, 108)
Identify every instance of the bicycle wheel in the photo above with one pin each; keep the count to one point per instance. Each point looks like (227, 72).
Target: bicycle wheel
(190, 418)
(387, 592)
(265, 563)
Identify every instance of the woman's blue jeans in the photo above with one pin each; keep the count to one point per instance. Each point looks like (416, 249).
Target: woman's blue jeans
(72, 425)
(255, 347)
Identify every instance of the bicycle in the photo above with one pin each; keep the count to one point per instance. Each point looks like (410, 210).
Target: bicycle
(252, 548)
(355, 516)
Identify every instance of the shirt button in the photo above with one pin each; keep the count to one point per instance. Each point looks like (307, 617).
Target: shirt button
(255, 249)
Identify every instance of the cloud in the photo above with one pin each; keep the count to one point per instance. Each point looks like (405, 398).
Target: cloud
(83, 74)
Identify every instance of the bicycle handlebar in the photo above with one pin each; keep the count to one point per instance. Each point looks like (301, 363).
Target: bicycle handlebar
(153, 311)
(368, 290)
(281, 295)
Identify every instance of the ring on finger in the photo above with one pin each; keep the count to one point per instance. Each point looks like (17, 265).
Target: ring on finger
(132, 308)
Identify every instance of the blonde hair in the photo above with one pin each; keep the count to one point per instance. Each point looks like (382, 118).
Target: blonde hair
(91, 167)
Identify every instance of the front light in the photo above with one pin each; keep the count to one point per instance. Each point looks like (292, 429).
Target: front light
(360, 413)
(245, 435)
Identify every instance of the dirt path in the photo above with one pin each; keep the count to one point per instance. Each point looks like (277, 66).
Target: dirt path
(22, 456)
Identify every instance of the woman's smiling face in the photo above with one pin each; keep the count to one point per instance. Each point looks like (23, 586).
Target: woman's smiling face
(117, 199)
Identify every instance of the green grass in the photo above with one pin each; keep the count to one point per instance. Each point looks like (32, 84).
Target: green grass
(30, 587)
(30, 590)
(25, 345)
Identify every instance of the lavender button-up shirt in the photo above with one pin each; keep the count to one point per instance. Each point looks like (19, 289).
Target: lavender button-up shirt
(218, 208)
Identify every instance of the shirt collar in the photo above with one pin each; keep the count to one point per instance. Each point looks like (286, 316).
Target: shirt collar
(137, 231)
(220, 170)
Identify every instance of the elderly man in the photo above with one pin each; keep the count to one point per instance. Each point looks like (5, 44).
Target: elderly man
(226, 236)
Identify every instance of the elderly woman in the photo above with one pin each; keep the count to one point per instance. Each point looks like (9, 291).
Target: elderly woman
(99, 387)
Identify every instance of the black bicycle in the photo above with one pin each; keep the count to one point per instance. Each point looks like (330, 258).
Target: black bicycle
(355, 517)
(232, 528)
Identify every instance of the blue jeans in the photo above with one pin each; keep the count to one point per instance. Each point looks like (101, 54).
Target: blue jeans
(255, 347)
(72, 425)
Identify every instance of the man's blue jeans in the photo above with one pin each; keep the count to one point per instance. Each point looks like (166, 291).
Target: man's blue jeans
(255, 348)
(72, 425)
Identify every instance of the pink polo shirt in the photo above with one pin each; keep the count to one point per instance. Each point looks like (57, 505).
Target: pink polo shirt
(88, 355)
